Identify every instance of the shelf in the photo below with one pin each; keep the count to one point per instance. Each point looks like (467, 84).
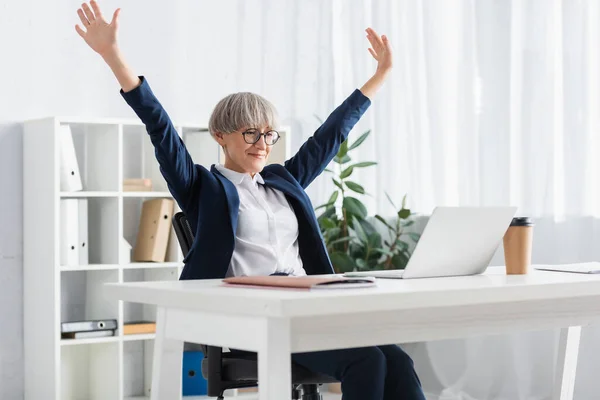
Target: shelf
(86, 372)
(147, 194)
(89, 267)
(141, 336)
(108, 267)
(150, 265)
(87, 194)
(75, 342)
(87, 233)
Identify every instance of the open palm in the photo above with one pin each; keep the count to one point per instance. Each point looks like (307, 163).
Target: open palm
(99, 34)
(381, 50)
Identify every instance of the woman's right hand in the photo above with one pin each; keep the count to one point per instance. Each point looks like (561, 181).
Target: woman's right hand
(100, 35)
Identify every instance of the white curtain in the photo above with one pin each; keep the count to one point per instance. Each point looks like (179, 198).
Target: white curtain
(490, 103)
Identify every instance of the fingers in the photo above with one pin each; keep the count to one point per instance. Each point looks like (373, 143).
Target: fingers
(80, 31)
(96, 9)
(115, 20)
(88, 12)
(385, 40)
(83, 18)
(373, 53)
(373, 42)
(374, 38)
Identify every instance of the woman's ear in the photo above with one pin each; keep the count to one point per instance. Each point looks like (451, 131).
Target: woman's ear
(219, 138)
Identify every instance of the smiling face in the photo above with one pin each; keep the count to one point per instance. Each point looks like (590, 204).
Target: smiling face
(241, 156)
(236, 122)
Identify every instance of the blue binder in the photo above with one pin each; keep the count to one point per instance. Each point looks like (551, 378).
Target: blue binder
(193, 383)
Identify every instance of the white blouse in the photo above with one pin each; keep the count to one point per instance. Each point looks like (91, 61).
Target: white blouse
(266, 240)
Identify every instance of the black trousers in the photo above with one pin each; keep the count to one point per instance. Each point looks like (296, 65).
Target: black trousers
(366, 373)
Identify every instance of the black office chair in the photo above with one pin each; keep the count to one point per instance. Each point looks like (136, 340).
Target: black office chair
(234, 371)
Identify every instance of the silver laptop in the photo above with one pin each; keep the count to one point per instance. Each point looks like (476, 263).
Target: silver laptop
(456, 241)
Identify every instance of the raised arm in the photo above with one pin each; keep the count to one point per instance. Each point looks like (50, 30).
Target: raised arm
(175, 162)
(318, 151)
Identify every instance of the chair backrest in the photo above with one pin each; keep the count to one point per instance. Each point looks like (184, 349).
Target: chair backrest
(185, 237)
(183, 231)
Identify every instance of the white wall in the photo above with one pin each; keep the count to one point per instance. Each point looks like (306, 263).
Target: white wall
(192, 52)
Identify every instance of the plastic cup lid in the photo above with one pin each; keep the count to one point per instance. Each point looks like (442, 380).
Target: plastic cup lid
(522, 221)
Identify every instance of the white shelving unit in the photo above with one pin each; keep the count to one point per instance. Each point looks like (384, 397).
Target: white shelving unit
(108, 151)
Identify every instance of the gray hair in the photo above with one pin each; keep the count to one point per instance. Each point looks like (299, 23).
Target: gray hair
(242, 110)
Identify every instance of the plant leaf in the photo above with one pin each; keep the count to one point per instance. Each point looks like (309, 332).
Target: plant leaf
(414, 236)
(355, 207)
(333, 197)
(342, 262)
(360, 232)
(403, 213)
(318, 118)
(359, 140)
(375, 240)
(390, 199)
(324, 205)
(343, 149)
(330, 212)
(367, 226)
(364, 164)
(328, 170)
(342, 160)
(355, 187)
(383, 221)
(384, 251)
(360, 263)
(401, 246)
(337, 184)
(408, 223)
(400, 260)
(340, 240)
(404, 202)
(327, 223)
(332, 235)
(346, 173)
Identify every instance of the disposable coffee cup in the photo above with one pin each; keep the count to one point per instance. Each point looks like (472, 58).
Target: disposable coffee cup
(518, 241)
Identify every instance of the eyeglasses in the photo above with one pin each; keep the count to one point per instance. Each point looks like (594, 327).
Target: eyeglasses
(252, 136)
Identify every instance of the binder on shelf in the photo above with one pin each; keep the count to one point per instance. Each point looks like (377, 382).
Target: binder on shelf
(88, 326)
(74, 232)
(87, 335)
(139, 327)
(69, 227)
(82, 233)
(154, 230)
(137, 185)
(125, 252)
(70, 177)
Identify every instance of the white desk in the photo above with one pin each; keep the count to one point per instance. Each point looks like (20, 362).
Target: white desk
(276, 323)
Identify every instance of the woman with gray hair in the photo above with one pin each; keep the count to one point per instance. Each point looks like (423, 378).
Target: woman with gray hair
(252, 219)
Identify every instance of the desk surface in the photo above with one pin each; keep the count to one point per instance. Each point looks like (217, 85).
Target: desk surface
(494, 286)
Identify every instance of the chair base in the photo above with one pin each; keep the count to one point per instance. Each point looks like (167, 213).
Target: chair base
(311, 392)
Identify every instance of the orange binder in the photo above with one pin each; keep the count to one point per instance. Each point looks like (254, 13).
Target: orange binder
(154, 230)
(139, 327)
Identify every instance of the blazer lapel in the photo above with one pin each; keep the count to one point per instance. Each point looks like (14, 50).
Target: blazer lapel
(233, 199)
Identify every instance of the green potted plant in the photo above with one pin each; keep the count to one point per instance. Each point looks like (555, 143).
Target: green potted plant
(352, 241)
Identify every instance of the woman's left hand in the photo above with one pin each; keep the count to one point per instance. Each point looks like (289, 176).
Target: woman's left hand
(381, 50)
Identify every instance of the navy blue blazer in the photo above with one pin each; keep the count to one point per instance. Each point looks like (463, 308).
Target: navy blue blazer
(210, 201)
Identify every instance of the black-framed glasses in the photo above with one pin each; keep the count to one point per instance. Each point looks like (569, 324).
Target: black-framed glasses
(252, 136)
